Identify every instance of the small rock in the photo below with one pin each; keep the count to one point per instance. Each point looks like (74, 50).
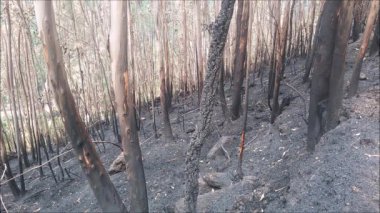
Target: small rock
(190, 130)
(363, 77)
(203, 186)
(366, 141)
(217, 180)
(222, 200)
(118, 165)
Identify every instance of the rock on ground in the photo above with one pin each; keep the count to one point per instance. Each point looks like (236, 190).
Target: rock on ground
(217, 180)
(118, 165)
(231, 198)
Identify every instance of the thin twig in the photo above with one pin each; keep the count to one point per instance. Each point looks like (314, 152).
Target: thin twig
(146, 140)
(108, 142)
(225, 151)
(300, 94)
(190, 111)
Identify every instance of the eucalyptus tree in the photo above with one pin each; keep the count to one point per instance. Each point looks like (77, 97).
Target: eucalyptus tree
(99, 180)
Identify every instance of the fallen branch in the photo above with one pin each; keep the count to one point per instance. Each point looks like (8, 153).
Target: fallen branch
(1, 197)
(36, 167)
(301, 96)
(190, 111)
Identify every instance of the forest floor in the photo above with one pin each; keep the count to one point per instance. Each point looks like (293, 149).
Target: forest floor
(280, 175)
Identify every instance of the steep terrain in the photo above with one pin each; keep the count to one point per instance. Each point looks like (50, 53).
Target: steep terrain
(341, 175)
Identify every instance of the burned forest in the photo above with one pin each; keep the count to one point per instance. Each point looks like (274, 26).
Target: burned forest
(190, 106)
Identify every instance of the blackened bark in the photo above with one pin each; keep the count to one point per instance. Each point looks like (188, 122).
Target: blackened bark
(311, 53)
(214, 63)
(240, 56)
(4, 158)
(322, 65)
(327, 84)
(280, 63)
(164, 88)
(273, 61)
(334, 103)
(222, 96)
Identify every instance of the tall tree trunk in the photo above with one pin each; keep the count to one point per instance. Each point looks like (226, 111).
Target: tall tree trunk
(23, 138)
(199, 42)
(247, 68)
(290, 32)
(242, 19)
(222, 96)
(280, 65)
(105, 192)
(327, 83)
(338, 65)
(125, 107)
(354, 83)
(322, 63)
(276, 38)
(164, 93)
(184, 26)
(214, 62)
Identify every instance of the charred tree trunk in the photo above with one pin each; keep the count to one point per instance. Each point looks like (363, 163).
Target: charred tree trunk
(311, 53)
(222, 96)
(105, 192)
(354, 83)
(375, 43)
(280, 66)
(245, 106)
(336, 83)
(322, 63)
(329, 55)
(276, 38)
(164, 93)
(290, 32)
(125, 107)
(214, 62)
(4, 158)
(240, 56)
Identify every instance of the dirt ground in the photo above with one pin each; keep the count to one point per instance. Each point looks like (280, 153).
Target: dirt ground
(341, 175)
